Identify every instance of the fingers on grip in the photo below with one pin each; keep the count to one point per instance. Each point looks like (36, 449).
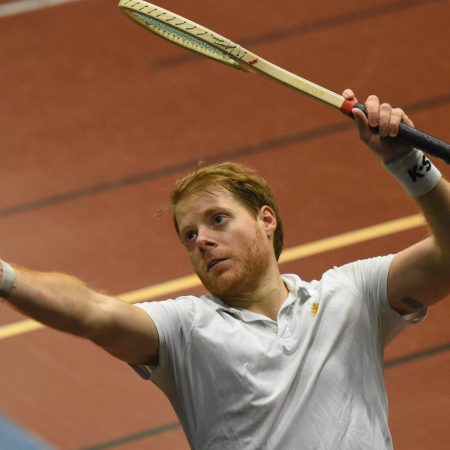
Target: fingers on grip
(396, 118)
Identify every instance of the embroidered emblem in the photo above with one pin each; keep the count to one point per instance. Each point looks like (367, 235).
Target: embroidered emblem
(314, 308)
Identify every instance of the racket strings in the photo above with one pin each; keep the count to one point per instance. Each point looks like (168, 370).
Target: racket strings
(184, 39)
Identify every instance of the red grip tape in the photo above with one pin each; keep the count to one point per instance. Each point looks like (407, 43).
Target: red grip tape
(347, 107)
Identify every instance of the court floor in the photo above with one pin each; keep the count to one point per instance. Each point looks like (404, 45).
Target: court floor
(98, 119)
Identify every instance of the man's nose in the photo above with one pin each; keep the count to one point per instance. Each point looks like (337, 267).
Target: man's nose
(205, 241)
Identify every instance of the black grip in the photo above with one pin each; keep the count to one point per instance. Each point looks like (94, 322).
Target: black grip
(419, 139)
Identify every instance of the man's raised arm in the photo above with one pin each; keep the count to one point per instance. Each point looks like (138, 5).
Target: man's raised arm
(419, 275)
(65, 303)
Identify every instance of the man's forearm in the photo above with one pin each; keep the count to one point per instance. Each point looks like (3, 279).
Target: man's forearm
(435, 206)
(65, 303)
(423, 181)
(54, 299)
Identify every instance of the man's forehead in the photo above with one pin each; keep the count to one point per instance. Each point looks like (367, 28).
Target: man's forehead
(203, 199)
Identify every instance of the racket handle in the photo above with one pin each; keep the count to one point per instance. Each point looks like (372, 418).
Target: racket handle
(418, 139)
(425, 142)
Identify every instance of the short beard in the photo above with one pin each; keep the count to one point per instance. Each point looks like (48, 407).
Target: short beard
(252, 269)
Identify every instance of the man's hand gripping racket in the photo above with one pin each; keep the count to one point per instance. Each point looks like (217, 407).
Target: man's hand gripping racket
(199, 39)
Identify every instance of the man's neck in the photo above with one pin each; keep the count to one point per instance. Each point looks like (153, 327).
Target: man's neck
(266, 299)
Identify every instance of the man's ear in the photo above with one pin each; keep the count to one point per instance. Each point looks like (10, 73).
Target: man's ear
(268, 219)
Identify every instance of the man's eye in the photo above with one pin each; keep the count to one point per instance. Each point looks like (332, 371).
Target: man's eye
(191, 235)
(219, 219)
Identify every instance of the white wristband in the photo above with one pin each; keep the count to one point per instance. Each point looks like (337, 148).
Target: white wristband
(415, 172)
(8, 279)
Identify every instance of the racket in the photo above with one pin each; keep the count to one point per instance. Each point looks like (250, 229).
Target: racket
(199, 39)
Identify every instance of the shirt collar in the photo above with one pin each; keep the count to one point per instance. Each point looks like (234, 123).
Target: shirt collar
(298, 290)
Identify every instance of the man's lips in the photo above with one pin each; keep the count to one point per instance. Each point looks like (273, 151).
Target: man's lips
(214, 262)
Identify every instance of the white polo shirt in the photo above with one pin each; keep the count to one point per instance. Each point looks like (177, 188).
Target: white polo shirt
(311, 380)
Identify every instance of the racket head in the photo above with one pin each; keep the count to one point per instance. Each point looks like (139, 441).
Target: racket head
(205, 42)
(188, 34)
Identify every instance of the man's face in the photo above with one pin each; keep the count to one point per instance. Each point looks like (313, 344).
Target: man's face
(229, 247)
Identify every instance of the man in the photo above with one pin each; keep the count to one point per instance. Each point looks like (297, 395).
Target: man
(266, 361)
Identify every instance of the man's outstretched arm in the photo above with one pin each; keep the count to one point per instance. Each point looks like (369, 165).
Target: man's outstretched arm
(67, 304)
(419, 275)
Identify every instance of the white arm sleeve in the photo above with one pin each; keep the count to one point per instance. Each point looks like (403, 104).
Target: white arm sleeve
(370, 276)
(173, 320)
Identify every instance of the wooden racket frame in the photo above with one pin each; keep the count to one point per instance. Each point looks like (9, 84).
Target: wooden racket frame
(238, 57)
(245, 59)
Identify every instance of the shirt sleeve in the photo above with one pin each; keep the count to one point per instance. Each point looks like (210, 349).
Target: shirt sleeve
(371, 277)
(173, 320)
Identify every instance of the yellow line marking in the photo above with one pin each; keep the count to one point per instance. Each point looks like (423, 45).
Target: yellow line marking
(21, 327)
(352, 237)
(291, 254)
(161, 289)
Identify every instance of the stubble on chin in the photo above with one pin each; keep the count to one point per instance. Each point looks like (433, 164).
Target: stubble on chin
(245, 274)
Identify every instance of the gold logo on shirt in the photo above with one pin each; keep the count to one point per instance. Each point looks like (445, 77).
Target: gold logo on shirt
(314, 308)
